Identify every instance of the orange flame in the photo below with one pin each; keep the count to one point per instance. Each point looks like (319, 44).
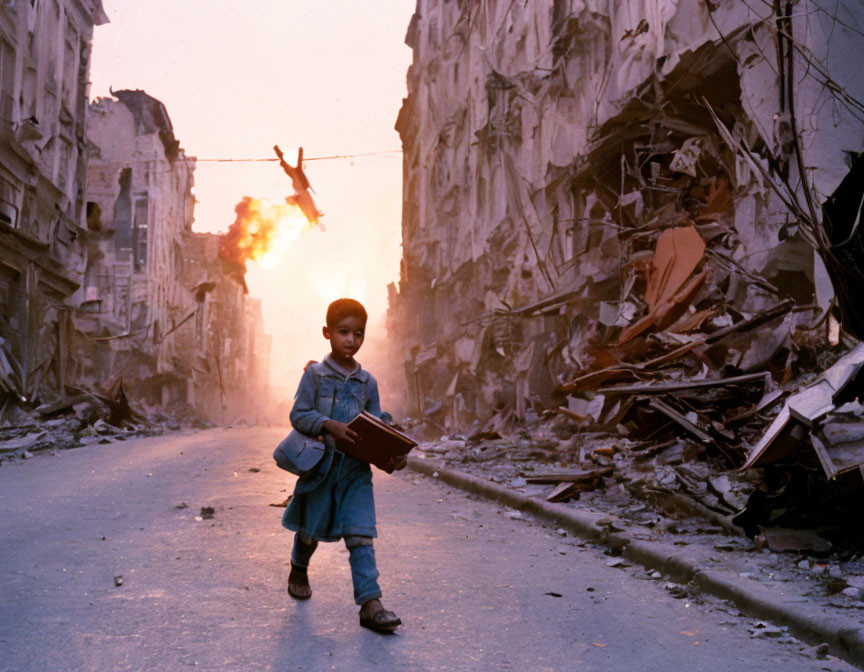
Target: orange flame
(262, 232)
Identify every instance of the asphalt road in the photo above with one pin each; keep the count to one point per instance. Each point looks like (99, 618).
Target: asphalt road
(471, 584)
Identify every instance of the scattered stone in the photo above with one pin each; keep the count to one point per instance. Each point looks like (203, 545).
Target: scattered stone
(207, 512)
(656, 574)
(118, 580)
(617, 562)
(855, 581)
(102, 427)
(15, 416)
(763, 629)
(518, 482)
(783, 539)
(88, 411)
(22, 443)
(819, 652)
(676, 590)
(804, 564)
(835, 572)
(852, 592)
(74, 425)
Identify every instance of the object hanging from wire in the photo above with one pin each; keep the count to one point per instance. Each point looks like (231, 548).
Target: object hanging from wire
(301, 197)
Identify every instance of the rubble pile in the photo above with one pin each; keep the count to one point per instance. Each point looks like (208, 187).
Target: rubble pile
(623, 229)
(795, 486)
(78, 419)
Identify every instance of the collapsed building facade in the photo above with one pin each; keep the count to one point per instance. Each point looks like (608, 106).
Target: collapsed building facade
(44, 67)
(102, 281)
(590, 186)
(158, 312)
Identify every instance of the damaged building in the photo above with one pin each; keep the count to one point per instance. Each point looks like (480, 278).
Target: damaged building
(637, 223)
(590, 185)
(158, 312)
(225, 342)
(44, 68)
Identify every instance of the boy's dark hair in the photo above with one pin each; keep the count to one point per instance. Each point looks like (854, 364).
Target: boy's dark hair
(342, 308)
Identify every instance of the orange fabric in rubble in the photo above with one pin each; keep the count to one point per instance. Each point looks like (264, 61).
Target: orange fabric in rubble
(678, 253)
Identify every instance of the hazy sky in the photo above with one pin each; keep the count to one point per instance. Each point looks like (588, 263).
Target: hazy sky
(238, 78)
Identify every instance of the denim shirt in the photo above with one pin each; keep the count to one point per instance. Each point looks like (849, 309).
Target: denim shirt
(325, 393)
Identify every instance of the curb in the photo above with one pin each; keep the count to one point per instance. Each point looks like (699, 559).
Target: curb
(844, 636)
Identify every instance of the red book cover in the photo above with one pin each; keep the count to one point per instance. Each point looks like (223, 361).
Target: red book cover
(379, 443)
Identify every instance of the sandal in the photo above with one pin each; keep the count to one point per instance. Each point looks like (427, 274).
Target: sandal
(298, 585)
(380, 621)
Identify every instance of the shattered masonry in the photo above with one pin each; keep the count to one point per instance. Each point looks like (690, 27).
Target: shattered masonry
(562, 159)
(158, 310)
(43, 109)
(101, 277)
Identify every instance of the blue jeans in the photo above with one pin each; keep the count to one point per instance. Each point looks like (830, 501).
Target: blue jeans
(361, 556)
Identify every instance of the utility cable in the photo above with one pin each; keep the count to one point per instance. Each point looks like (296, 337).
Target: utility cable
(309, 158)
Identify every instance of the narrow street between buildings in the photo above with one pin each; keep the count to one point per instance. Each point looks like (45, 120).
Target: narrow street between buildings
(113, 560)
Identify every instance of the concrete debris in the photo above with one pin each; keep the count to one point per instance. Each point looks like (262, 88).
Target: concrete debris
(676, 590)
(101, 276)
(79, 420)
(619, 249)
(819, 652)
(780, 540)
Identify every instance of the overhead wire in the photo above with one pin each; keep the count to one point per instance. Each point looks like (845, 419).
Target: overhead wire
(305, 158)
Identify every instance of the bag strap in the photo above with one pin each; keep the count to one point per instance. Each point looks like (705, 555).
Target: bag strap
(316, 396)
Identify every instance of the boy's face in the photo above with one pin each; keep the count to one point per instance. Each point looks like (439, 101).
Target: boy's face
(346, 337)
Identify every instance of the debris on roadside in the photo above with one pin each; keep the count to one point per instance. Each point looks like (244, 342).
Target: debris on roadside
(648, 295)
(676, 590)
(284, 503)
(80, 418)
(781, 540)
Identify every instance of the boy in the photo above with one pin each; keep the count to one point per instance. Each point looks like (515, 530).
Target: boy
(335, 501)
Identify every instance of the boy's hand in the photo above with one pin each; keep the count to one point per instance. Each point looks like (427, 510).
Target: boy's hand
(340, 431)
(400, 462)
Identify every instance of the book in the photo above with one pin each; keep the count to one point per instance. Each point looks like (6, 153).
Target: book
(379, 443)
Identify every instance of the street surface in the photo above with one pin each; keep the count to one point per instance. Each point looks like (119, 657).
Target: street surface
(471, 583)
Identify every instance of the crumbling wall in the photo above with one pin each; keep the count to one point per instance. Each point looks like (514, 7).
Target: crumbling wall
(548, 145)
(225, 343)
(44, 66)
(139, 187)
(158, 311)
